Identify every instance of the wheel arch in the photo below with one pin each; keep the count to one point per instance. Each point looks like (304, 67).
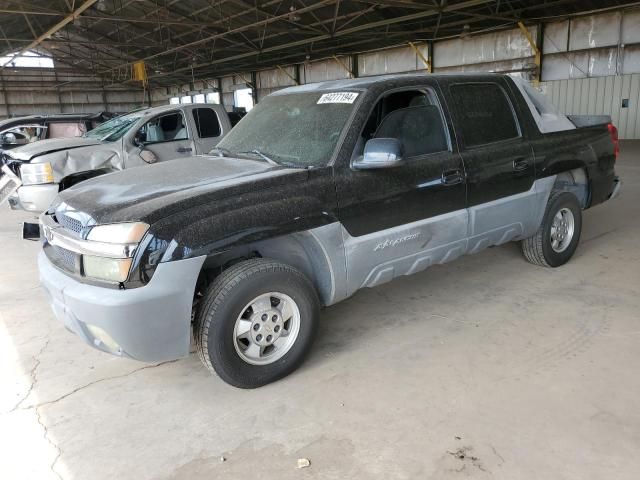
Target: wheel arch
(306, 251)
(78, 177)
(575, 181)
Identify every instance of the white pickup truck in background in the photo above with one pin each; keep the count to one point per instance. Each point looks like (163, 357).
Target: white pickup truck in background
(138, 138)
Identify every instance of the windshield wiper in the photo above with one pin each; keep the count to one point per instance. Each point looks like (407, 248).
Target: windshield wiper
(255, 151)
(222, 152)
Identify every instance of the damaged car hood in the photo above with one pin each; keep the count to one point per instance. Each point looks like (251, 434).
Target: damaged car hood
(165, 188)
(51, 145)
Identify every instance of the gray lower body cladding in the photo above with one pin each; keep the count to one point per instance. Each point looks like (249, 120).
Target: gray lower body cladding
(152, 323)
(373, 259)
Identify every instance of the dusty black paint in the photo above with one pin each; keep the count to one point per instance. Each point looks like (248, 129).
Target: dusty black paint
(209, 205)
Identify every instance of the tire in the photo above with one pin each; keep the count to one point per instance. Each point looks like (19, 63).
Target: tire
(251, 291)
(546, 250)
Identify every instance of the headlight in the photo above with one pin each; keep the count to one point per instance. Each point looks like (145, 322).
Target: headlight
(124, 233)
(109, 269)
(102, 265)
(36, 173)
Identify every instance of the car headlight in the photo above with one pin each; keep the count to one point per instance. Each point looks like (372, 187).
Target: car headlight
(36, 173)
(125, 233)
(104, 268)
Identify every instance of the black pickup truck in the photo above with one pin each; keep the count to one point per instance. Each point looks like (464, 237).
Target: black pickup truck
(319, 191)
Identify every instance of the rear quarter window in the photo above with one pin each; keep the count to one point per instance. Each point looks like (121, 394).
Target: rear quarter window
(206, 122)
(484, 113)
(66, 129)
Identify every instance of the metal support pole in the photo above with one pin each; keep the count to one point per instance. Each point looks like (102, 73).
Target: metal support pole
(254, 87)
(55, 75)
(4, 95)
(297, 72)
(220, 95)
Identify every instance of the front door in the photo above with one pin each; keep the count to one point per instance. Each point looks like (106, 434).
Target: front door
(166, 137)
(400, 220)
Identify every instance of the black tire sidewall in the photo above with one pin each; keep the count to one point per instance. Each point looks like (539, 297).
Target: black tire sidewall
(220, 342)
(563, 200)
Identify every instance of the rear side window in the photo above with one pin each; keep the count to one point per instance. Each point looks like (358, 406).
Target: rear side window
(66, 129)
(484, 113)
(206, 122)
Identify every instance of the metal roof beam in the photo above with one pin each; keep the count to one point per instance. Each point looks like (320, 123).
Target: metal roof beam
(58, 26)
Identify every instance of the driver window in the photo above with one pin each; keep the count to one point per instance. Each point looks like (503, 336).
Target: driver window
(413, 117)
(165, 128)
(22, 135)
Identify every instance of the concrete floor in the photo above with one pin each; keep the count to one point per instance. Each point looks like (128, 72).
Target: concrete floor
(488, 367)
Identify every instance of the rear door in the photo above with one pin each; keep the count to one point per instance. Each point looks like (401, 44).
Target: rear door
(499, 163)
(400, 220)
(207, 129)
(497, 156)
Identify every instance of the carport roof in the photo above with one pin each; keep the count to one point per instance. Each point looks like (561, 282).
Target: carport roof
(181, 40)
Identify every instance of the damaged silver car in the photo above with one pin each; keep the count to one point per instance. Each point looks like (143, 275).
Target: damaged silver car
(138, 138)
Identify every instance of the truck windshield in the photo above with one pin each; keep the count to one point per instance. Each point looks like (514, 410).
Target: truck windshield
(112, 130)
(297, 129)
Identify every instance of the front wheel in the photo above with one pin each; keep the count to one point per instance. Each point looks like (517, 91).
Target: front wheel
(256, 323)
(556, 240)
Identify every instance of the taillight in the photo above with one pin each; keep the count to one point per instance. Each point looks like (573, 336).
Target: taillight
(613, 131)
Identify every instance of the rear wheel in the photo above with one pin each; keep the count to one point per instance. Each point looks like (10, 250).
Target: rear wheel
(557, 238)
(256, 323)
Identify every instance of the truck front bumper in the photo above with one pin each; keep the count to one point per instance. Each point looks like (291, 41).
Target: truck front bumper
(34, 198)
(150, 323)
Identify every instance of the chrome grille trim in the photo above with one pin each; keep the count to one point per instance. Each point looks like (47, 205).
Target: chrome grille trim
(58, 236)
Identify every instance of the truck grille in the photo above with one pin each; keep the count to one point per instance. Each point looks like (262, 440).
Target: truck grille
(62, 258)
(70, 223)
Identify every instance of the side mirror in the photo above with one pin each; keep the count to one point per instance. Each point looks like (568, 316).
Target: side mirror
(9, 139)
(380, 153)
(139, 139)
(148, 156)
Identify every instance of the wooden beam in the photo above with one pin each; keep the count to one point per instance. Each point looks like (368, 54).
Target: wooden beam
(536, 51)
(425, 60)
(288, 75)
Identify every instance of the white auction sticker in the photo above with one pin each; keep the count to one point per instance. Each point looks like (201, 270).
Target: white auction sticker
(338, 97)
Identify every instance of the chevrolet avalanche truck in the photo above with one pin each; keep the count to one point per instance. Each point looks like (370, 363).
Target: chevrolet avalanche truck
(320, 190)
(44, 168)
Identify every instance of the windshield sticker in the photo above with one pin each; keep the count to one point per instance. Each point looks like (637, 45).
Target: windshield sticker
(338, 97)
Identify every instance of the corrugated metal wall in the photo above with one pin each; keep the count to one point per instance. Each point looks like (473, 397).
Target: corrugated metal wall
(600, 96)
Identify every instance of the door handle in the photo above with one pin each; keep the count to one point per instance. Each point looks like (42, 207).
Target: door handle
(452, 177)
(520, 164)
(184, 149)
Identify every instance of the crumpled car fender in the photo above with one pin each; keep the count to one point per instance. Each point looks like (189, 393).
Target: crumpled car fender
(76, 160)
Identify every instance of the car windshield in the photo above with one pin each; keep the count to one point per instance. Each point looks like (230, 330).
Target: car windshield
(297, 129)
(112, 130)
